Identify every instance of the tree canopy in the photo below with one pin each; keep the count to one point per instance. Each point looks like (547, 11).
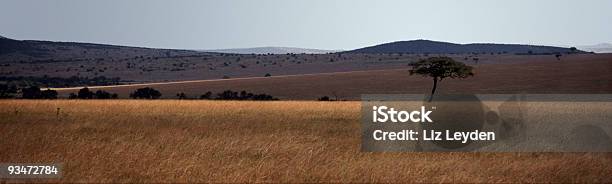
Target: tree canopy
(441, 67)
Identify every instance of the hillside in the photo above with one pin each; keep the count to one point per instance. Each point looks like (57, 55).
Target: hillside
(128, 65)
(49, 51)
(436, 47)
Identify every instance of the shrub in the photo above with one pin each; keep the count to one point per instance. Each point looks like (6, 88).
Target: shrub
(207, 95)
(243, 95)
(34, 92)
(263, 97)
(227, 95)
(181, 95)
(85, 93)
(103, 95)
(7, 91)
(146, 93)
(48, 94)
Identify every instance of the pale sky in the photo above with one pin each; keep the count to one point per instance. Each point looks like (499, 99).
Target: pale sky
(321, 24)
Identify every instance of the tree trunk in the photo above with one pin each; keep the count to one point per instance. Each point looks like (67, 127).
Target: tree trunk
(433, 90)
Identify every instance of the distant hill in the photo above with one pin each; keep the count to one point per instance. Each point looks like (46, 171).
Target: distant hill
(599, 48)
(436, 47)
(272, 50)
(49, 51)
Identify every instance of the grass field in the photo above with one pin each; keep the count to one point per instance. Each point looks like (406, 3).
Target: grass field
(239, 141)
(535, 74)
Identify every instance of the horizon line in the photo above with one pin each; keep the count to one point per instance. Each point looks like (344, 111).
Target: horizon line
(298, 47)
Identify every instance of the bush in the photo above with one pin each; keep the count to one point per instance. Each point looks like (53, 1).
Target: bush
(207, 95)
(228, 95)
(34, 92)
(243, 95)
(104, 95)
(85, 93)
(267, 75)
(7, 91)
(48, 94)
(324, 98)
(181, 95)
(146, 93)
(263, 97)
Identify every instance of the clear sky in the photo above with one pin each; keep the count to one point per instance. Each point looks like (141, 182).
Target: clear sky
(322, 24)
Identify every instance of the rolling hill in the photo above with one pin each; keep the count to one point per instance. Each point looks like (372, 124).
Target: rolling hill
(436, 47)
(41, 59)
(50, 51)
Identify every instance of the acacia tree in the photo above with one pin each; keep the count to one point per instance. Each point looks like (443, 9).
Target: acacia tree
(439, 68)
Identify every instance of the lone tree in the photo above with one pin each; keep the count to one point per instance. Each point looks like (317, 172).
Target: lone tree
(439, 68)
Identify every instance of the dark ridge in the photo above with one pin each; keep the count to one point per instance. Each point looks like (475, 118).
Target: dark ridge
(436, 47)
(52, 51)
(28, 46)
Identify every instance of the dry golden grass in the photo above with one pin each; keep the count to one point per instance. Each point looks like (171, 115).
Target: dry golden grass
(237, 141)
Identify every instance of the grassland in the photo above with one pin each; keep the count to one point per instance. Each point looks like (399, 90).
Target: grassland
(524, 74)
(238, 141)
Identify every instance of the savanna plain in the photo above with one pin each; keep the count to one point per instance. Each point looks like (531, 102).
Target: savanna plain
(248, 141)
